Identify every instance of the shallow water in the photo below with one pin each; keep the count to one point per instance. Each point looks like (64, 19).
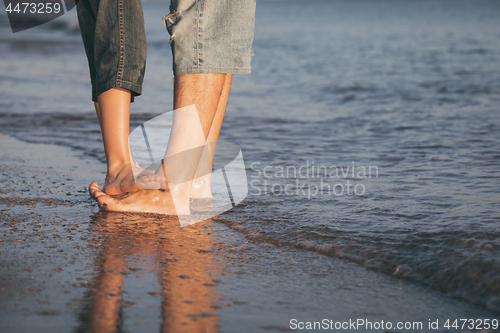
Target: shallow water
(410, 89)
(66, 266)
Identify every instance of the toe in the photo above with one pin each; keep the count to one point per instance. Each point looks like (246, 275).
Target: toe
(92, 188)
(95, 191)
(143, 182)
(107, 202)
(149, 182)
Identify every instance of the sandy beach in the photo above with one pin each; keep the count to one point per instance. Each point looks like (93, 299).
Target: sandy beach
(67, 267)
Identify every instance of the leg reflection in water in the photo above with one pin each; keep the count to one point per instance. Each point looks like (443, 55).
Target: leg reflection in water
(181, 258)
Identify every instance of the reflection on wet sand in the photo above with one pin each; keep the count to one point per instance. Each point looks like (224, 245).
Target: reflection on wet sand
(181, 258)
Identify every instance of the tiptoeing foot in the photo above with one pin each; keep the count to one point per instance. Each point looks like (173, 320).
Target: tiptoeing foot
(122, 180)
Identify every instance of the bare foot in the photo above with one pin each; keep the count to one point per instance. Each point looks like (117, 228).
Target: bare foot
(146, 201)
(122, 181)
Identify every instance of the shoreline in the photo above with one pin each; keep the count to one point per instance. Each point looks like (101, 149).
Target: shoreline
(67, 266)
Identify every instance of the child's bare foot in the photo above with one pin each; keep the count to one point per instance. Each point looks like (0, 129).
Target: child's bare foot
(146, 201)
(122, 180)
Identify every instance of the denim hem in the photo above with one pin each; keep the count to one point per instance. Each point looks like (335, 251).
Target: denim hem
(136, 90)
(211, 70)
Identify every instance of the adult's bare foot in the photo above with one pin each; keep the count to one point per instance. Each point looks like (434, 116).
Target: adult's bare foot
(146, 201)
(122, 180)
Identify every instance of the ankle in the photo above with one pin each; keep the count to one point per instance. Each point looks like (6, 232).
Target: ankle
(116, 167)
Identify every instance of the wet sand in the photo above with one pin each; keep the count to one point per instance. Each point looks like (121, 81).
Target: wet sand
(65, 266)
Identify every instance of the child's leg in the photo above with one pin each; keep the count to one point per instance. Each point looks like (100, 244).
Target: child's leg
(115, 44)
(113, 112)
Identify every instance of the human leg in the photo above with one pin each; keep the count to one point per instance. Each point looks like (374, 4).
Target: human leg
(211, 37)
(115, 43)
(204, 52)
(190, 129)
(201, 188)
(113, 112)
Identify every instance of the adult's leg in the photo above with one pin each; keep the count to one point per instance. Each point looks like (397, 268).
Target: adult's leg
(202, 183)
(211, 37)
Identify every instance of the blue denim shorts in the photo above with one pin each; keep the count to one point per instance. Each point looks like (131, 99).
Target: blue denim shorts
(212, 36)
(205, 36)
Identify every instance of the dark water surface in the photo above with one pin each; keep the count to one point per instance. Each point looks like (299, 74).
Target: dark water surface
(405, 93)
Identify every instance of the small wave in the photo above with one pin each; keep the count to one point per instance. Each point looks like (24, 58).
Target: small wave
(450, 262)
